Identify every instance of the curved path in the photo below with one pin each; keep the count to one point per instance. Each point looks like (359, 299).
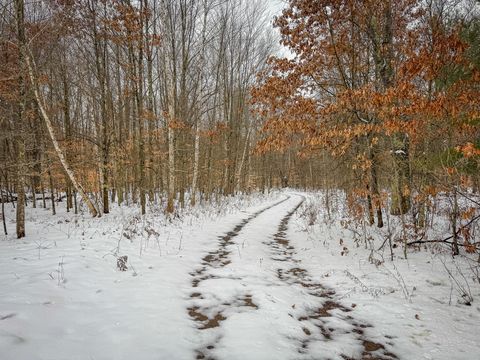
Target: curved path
(251, 299)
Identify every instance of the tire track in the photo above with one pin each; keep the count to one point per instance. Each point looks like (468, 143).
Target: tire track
(209, 317)
(315, 321)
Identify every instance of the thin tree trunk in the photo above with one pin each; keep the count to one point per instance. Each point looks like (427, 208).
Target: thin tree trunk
(171, 168)
(371, 218)
(75, 202)
(401, 186)
(20, 173)
(242, 160)
(374, 185)
(150, 119)
(454, 217)
(100, 63)
(141, 140)
(52, 190)
(42, 189)
(196, 155)
(49, 126)
(196, 159)
(3, 212)
(68, 133)
(34, 197)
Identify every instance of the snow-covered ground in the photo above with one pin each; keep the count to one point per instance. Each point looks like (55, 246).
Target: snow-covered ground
(248, 278)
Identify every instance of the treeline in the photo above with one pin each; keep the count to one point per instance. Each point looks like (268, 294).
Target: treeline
(387, 93)
(139, 101)
(172, 102)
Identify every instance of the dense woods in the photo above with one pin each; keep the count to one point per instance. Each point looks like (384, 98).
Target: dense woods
(165, 103)
(119, 101)
(387, 94)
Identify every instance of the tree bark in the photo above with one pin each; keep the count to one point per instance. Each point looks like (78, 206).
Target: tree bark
(383, 57)
(20, 167)
(196, 154)
(68, 132)
(374, 185)
(52, 189)
(196, 159)
(171, 167)
(51, 133)
(100, 64)
(3, 212)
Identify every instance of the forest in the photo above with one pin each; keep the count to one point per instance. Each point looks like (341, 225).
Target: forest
(303, 171)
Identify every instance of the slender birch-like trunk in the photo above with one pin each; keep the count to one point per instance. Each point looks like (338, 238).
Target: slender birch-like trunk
(48, 123)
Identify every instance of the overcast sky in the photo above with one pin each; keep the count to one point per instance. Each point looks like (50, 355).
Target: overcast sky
(276, 5)
(275, 8)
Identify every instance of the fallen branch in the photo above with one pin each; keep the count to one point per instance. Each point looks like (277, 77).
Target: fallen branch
(449, 237)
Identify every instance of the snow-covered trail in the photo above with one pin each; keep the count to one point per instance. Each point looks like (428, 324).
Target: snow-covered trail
(244, 278)
(251, 299)
(61, 296)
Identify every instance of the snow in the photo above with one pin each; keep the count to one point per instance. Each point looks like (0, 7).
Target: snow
(245, 278)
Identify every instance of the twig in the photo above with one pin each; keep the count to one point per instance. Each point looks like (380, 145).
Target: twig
(449, 237)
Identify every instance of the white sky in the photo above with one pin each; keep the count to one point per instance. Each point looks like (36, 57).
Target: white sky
(275, 8)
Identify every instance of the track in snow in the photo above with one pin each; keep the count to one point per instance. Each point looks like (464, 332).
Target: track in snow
(318, 324)
(318, 328)
(211, 316)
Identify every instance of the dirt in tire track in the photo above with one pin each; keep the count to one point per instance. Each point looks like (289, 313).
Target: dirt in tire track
(314, 322)
(211, 317)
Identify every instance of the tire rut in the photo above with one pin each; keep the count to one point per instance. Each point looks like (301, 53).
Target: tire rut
(211, 317)
(314, 322)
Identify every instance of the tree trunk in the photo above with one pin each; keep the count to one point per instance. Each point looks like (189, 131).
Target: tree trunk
(401, 188)
(383, 57)
(20, 168)
(3, 212)
(374, 185)
(68, 133)
(242, 161)
(52, 189)
(371, 218)
(141, 118)
(454, 218)
(171, 168)
(56, 146)
(196, 154)
(100, 64)
(34, 197)
(196, 158)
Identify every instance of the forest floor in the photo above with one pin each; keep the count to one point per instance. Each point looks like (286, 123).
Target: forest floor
(248, 278)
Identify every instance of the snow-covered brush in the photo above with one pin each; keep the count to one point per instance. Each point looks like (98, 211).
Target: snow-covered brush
(460, 283)
(122, 263)
(374, 291)
(59, 273)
